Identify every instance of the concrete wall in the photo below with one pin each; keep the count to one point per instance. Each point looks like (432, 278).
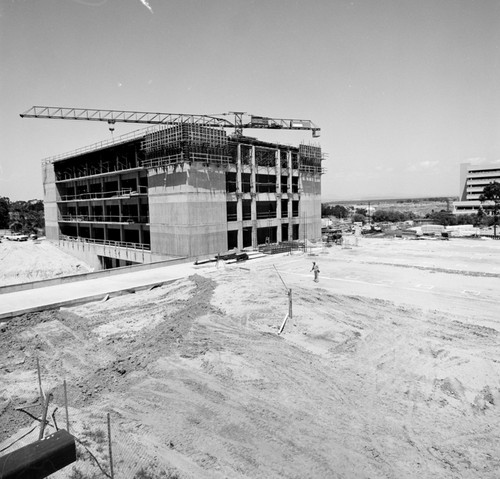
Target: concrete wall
(93, 275)
(89, 252)
(310, 207)
(187, 210)
(50, 201)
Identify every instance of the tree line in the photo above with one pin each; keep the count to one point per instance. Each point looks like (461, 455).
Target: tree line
(23, 217)
(362, 215)
(487, 215)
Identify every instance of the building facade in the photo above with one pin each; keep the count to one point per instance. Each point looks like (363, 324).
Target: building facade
(473, 179)
(186, 191)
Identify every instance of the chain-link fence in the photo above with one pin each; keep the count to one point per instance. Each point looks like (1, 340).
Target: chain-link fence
(104, 448)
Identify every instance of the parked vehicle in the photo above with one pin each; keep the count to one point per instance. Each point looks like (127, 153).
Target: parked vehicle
(16, 237)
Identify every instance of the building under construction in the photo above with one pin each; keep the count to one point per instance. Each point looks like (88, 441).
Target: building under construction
(180, 191)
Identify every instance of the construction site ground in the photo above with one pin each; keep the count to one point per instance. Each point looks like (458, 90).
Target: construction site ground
(389, 367)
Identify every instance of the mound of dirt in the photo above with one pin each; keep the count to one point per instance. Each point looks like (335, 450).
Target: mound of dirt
(22, 262)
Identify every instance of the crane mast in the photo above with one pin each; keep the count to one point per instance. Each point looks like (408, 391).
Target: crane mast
(239, 123)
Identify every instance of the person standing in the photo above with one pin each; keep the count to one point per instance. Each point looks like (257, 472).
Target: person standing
(315, 269)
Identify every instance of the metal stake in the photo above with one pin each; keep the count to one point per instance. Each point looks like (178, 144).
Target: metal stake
(110, 449)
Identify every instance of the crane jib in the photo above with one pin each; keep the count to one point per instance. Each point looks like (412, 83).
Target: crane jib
(126, 116)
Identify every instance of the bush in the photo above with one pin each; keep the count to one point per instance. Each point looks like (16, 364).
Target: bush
(153, 472)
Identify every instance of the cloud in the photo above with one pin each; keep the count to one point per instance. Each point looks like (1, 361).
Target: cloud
(384, 169)
(423, 166)
(91, 3)
(147, 5)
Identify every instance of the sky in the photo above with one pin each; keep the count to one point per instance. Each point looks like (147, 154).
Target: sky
(404, 91)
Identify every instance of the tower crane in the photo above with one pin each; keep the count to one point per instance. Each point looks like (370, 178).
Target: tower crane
(239, 122)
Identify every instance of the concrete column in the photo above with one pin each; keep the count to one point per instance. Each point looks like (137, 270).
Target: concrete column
(253, 194)
(289, 188)
(239, 196)
(141, 234)
(278, 171)
(277, 164)
(253, 184)
(239, 189)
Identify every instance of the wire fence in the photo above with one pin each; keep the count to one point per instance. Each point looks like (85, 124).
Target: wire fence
(105, 446)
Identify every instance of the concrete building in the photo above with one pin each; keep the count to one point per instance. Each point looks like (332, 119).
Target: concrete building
(186, 191)
(473, 179)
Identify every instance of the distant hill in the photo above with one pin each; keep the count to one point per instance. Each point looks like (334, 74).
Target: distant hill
(419, 206)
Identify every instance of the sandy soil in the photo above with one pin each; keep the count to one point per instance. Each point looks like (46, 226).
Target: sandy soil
(25, 261)
(388, 369)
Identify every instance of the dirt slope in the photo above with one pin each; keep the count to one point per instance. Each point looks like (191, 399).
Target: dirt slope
(25, 261)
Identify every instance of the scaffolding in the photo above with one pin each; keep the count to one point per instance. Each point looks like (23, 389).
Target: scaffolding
(310, 158)
(265, 157)
(187, 143)
(284, 158)
(99, 162)
(99, 195)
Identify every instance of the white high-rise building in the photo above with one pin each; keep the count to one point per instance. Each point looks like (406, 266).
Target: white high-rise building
(473, 179)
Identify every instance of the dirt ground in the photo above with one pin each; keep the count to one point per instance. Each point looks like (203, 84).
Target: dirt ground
(389, 367)
(26, 261)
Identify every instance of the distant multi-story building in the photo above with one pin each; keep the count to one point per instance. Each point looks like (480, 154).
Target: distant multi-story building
(185, 191)
(473, 179)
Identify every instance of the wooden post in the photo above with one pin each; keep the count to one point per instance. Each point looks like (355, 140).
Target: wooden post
(66, 405)
(42, 400)
(44, 417)
(42, 396)
(290, 303)
(110, 449)
(289, 292)
(283, 324)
